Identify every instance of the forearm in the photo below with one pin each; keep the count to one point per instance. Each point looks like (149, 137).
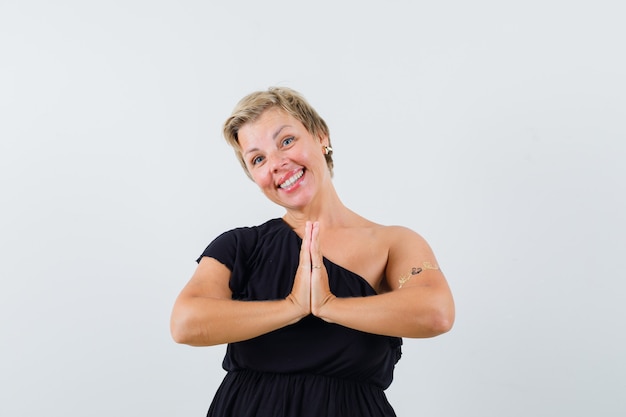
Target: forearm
(200, 321)
(408, 312)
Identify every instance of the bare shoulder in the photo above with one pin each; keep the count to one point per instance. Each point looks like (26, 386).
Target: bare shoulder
(393, 238)
(409, 257)
(399, 237)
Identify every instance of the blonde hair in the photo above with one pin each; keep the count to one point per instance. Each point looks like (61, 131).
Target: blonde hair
(250, 108)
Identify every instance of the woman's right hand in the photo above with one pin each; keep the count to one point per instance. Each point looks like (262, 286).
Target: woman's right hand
(301, 291)
(205, 314)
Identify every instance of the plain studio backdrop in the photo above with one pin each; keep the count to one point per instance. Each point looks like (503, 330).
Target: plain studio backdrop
(494, 129)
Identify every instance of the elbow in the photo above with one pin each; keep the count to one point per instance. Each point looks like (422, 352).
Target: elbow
(189, 327)
(178, 331)
(438, 322)
(179, 337)
(182, 330)
(442, 323)
(441, 317)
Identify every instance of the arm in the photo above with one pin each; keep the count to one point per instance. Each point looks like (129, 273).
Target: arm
(418, 305)
(204, 313)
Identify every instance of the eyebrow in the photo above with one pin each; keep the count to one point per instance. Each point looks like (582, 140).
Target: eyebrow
(279, 130)
(274, 136)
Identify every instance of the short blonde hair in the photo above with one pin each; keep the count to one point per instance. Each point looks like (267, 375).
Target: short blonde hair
(250, 108)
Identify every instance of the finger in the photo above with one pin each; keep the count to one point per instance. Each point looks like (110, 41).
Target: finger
(305, 249)
(316, 254)
(301, 290)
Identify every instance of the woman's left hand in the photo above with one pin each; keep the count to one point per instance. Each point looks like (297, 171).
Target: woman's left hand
(422, 308)
(320, 289)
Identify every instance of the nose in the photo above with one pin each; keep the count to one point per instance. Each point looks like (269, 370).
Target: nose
(277, 160)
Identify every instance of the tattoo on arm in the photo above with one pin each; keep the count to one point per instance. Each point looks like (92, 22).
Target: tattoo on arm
(416, 270)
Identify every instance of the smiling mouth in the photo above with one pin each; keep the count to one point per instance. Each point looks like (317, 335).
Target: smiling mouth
(291, 180)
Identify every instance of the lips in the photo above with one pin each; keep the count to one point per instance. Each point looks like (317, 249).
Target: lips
(291, 180)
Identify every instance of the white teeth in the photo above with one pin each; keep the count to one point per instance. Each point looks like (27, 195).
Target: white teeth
(292, 179)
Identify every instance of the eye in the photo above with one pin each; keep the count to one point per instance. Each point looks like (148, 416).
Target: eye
(256, 160)
(288, 141)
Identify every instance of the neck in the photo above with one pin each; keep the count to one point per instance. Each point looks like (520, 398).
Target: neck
(326, 209)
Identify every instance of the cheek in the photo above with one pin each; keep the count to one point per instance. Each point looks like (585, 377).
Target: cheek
(262, 180)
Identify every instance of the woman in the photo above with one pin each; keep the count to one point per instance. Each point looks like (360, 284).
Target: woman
(313, 305)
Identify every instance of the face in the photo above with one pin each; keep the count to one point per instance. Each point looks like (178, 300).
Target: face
(284, 159)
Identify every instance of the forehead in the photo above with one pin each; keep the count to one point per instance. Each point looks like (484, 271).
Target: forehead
(267, 118)
(267, 126)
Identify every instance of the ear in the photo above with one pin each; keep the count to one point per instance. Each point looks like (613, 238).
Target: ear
(324, 140)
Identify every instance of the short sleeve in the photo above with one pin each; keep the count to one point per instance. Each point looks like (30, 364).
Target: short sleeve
(235, 250)
(223, 248)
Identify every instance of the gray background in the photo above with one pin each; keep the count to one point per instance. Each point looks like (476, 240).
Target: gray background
(494, 129)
